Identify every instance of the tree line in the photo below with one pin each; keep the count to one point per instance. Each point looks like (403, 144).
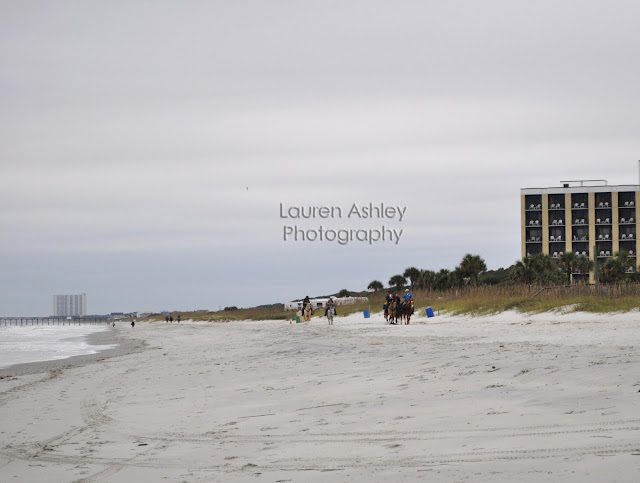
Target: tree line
(540, 269)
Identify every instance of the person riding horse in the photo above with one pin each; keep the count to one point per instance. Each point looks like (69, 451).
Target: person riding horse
(387, 300)
(394, 303)
(409, 311)
(397, 300)
(307, 309)
(330, 311)
(405, 298)
(331, 304)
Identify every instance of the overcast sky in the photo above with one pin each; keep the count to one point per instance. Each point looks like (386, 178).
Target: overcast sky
(146, 147)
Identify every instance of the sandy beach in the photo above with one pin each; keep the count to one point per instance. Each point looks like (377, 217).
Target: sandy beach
(510, 397)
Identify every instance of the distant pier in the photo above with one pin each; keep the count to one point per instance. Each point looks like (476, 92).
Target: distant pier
(58, 320)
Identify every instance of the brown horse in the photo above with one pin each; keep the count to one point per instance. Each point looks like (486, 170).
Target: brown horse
(392, 313)
(306, 313)
(408, 311)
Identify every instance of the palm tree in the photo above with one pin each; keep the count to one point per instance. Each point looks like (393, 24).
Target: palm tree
(413, 274)
(584, 264)
(548, 272)
(539, 268)
(569, 261)
(443, 279)
(427, 279)
(472, 266)
(615, 270)
(524, 271)
(458, 278)
(397, 281)
(375, 286)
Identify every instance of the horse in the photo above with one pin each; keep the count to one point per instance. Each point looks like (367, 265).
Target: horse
(399, 312)
(408, 311)
(392, 315)
(331, 311)
(306, 313)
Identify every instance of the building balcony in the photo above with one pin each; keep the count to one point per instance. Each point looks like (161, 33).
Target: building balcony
(580, 206)
(603, 221)
(533, 207)
(630, 249)
(557, 223)
(603, 204)
(627, 221)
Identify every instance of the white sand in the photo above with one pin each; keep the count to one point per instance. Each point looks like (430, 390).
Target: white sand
(504, 398)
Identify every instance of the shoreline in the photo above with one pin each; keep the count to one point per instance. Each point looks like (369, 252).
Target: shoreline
(123, 346)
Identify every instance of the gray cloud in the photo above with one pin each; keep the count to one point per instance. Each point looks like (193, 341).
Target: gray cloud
(129, 133)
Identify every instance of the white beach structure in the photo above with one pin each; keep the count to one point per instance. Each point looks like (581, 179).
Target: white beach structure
(322, 302)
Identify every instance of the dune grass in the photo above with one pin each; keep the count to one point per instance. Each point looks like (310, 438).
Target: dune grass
(491, 300)
(475, 301)
(253, 313)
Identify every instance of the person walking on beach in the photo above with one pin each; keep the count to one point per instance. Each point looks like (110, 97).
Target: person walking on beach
(178, 318)
(166, 318)
(171, 319)
(133, 323)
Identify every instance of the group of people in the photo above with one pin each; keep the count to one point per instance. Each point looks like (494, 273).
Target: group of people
(400, 302)
(169, 318)
(331, 303)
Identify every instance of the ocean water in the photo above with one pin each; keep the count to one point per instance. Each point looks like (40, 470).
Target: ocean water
(19, 345)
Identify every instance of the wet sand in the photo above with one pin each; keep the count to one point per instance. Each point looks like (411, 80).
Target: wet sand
(123, 345)
(504, 398)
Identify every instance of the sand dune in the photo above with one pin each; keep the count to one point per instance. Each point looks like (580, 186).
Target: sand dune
(503, 398)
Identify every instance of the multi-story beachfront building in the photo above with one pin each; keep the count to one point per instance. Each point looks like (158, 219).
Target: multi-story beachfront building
(69, 305)
(594, 221)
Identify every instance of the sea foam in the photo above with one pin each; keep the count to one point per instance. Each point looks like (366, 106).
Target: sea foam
(19, 345)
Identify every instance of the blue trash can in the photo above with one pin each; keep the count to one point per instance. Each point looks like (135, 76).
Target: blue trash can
(366, 314)
(429, 312)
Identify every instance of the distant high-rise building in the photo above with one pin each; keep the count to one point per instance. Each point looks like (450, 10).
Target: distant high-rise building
(66, 305)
